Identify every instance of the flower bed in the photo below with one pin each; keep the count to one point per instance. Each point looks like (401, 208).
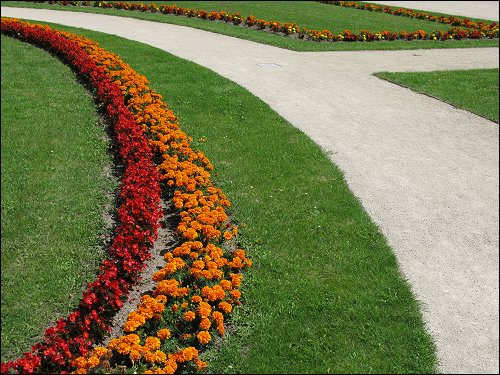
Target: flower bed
(471, 30)
(404, 12)
(198, 286)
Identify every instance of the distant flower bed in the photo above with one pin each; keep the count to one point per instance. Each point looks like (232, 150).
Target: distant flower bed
(462, 28)
(404, 12)
(198, 286)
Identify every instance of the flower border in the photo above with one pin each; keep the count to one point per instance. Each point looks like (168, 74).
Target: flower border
(198, 286)
(473, 30)
(406, 12)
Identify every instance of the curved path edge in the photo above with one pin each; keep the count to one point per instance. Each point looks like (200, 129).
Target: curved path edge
(426, 172)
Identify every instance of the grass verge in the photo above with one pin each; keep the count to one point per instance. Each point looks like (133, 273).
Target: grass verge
(309, 14)
(325, 294)
(475, 90)
(53, 193)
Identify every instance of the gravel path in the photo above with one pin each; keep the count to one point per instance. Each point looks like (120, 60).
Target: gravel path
(426, 172)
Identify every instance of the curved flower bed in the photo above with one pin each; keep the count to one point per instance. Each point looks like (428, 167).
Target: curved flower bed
(138, 216)
(405, 12)
(198, 286)
(471, 30)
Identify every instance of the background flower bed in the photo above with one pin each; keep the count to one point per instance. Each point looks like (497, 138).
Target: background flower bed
(312, 15)
(470, 30)
(405, 12)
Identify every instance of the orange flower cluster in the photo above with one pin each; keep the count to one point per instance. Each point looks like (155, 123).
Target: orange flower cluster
(173, 264)
(150, 352)
(203, 337)
(201, 275)
(287, 27)
(84, 364)
(203, 214)
(148, 308)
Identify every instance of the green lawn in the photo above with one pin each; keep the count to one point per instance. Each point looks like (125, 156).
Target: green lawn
(325, 294)
(475, 90)
(53, 193)
(310, 14)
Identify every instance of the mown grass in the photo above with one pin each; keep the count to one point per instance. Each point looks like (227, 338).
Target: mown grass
(312, 15)
(475, 90)
(53, 193)
(325, 294)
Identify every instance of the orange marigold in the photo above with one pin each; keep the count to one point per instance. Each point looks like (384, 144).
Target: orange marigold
(159, 275)
(93, 361)
(80, 362)
(198, 264)
(123, 348)
(132, 338)
(226, 284)
(220, 329)
(152, 343)
(217, 317)
(100, 351)
(217, 274)
(189, 316)
(196, 299)
(205, 324)
(204, 310)
(203, 337)
(236, 294)
(187, 354)
(225, 307)
(163, 334)
(161, 356)
(150, 357)
(170, 366)
(236, 279)
(135, 355)
(200, 364)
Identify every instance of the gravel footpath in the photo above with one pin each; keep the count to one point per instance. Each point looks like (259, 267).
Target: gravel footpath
(426, 172)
